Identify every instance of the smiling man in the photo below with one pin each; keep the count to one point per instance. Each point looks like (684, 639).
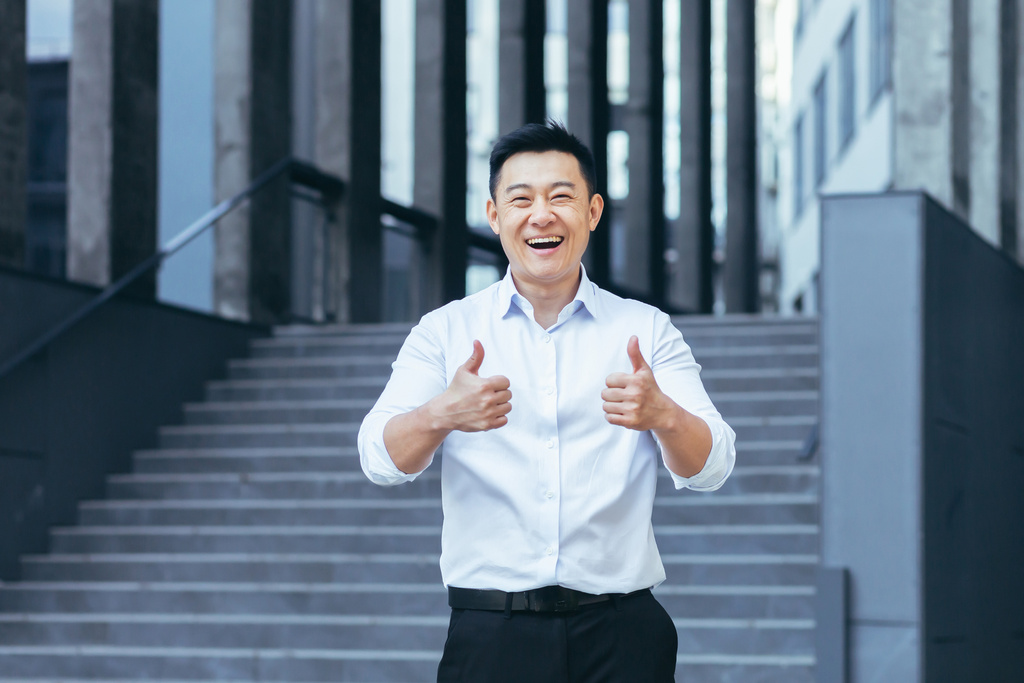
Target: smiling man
(555, 401)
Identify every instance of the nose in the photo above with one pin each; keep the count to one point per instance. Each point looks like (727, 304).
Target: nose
(541, 214)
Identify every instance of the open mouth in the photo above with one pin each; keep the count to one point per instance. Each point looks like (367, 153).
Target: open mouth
(544, 242)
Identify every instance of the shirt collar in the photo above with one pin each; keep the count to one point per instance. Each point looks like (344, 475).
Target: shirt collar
(509, 295)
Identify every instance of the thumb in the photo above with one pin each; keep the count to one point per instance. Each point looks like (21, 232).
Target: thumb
(633, 349)
(472, 366)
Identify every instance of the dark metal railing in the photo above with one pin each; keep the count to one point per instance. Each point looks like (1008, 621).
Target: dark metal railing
(329, 187)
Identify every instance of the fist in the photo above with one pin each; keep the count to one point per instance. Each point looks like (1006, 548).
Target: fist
(472, 403)
(633, 399)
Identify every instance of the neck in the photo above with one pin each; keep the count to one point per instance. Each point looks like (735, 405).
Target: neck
(548, 300)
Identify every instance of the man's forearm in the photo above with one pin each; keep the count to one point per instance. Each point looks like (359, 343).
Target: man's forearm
(685, 441)
(411, 438)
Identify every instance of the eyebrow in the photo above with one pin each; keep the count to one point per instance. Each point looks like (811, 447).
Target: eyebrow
(526, 186)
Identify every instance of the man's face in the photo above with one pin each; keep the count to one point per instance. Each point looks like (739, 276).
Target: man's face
(543, 217)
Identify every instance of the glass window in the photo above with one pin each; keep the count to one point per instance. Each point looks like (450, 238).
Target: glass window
(881, 46)
(798, 167)
(820, 130)
(847, 86)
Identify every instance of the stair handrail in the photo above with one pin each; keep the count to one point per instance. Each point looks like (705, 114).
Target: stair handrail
(329, 186)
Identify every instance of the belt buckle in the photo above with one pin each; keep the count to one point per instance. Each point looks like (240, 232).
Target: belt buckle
(553, 599)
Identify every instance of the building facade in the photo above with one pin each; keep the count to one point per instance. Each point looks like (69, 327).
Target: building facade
(898, 95)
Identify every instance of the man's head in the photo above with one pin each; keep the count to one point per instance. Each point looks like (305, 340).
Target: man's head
(547, 137)
(543, 207)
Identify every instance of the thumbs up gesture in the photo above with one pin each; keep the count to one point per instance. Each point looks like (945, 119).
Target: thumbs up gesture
(472, 403)
(633, 399)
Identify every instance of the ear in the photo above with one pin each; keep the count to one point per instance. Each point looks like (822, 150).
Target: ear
(492, 215)
(596, 209)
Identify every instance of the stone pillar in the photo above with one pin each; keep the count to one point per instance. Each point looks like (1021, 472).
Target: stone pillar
(931, 98)
(13, 133)
(252, 112)
(692, 235)
(521, 94)
(645, 204)
(348, 132)
(1016, 188)
(590, 112)
(440, 142)
(741, 262)
(984, 131)
(112, 141)
(1009, 182)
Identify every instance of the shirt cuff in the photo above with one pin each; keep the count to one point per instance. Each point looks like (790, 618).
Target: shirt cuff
(719, 464)
(374, 457)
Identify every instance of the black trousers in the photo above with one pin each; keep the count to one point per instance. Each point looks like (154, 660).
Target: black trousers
(630, 640)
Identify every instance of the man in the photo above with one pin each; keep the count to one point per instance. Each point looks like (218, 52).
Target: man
(553, 399)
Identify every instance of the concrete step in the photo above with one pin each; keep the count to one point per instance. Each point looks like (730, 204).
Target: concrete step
(700, 339)
(353, 484)
(730, 404)
(107, 663)
(736, 539)
(321, 567)
(675, 509)
(199, 461)
(735, 601)
(226, 597)
(752, 357)
(696, 636)
(313, 389)
(314, 435)
(321, 389)
(330, 459)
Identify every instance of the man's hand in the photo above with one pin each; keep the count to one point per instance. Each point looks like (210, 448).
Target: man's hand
(634, 400)
(472, 403)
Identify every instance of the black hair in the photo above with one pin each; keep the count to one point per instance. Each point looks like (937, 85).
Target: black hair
(550, 136)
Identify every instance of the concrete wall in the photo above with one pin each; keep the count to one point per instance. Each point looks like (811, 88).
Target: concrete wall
(75, 412)
(922, 440)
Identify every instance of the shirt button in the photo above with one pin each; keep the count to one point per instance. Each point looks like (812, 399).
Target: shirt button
(550, 443)
(549, 495)
(550, 391)
(547, 338)
(549, 551)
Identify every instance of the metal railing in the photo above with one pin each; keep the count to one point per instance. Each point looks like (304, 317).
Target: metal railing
(329, 188)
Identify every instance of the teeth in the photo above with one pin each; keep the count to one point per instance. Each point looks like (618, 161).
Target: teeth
(543, 240)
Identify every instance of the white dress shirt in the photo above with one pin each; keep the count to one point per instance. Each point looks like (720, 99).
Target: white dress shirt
(558, 495)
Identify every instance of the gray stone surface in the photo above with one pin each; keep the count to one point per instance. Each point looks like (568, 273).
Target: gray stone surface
(740, 277)
(13, 133)
(252, 112)
(692, 233)
(112, 141)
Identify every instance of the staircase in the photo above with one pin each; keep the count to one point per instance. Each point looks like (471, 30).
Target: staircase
(249, 546)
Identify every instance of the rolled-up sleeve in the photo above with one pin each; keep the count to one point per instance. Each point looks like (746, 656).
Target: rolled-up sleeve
(678, 375)
(417, 375)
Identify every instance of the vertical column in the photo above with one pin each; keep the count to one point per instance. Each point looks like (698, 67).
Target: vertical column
(521, 93)
(923, 98)
(985, 128)
(1017, 189)
(440, 142)
(741, 276)
(348, 136)
(252, 132)
(589, 110)
(645, 204)
(1009, 127)
(112, 146)
(690, 286)
(13, 135)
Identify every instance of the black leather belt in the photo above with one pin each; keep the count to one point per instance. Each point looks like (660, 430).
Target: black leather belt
(546, 599)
